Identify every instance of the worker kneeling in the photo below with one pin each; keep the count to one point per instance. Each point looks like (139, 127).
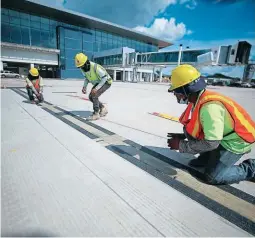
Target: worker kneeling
(99, 78)
(34, 85)
(215, 127)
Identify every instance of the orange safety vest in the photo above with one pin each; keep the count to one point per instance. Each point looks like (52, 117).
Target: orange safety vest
(36, 83)
(244, 126)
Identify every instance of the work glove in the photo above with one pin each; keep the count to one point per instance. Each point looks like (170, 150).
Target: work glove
(84, 91)
(174, 143)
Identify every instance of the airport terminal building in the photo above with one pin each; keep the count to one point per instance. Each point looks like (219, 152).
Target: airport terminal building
(48, 38)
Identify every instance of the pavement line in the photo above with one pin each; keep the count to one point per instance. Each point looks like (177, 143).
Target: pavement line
(233, 209)
(87, 122)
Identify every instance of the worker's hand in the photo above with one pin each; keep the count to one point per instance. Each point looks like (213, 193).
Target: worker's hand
(84, 91)
(93, 91)
(174, 143)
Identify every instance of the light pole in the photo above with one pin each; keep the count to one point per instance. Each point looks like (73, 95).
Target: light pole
(180, 53)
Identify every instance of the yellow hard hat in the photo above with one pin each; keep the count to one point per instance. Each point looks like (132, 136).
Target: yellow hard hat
(34, 72)
(183, 75)
(80, 60)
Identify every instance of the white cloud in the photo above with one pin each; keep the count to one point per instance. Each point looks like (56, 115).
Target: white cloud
(128, 13)
(164, 28)
(191, 4)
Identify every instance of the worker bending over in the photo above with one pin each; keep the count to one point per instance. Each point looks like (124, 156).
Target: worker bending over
(34, 85)
(215, 127)
(99, 78)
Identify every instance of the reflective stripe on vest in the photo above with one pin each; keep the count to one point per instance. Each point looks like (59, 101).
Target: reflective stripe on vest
(244, 126)
(36, 83)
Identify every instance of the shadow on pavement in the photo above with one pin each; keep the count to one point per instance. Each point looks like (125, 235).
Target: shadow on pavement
(29, 233)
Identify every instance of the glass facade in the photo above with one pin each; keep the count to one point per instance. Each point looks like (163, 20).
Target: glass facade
(187, 56)
(109, 60)
(28, 29)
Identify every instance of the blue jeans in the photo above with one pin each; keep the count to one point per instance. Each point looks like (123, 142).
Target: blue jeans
(220, 168)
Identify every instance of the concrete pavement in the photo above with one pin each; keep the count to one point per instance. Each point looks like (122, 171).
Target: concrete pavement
(113, 177)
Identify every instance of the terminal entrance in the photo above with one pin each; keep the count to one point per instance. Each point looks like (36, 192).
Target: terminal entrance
(46, 71)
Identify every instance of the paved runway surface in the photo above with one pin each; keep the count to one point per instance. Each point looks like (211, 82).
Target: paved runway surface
(64, 176)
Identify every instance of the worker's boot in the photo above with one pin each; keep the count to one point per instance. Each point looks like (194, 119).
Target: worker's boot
(94, 116)
(103, 111)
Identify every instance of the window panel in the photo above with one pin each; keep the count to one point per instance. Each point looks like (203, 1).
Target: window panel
(45, 35)
(53, 40)
(5, 11)
(73, 43)
(70, 63)
(45, 26)
(104, 39)
(15, 20)
(35, 37)
(70, 53)
(104, 34)
(35, 18)
(87, 37)
(45, 20)
(73, 34)
(88, 46)
(103, 46)
(35, 25)
(13, 13)
(5, 18)
(24, 22)
(5, 33)
(96, 46)
(24, 16)
(15, 34)
(25, 35)
(53, 22)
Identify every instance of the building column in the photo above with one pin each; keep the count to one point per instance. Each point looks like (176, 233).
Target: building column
(151, 77)
(128, 76)
(1, 65)
(160, 76)
(123, 75)
(32, 66)
(114, 75)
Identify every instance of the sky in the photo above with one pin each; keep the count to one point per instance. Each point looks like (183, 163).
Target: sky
(193, 23)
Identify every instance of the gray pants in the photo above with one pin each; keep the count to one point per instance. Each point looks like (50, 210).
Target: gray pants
(31, 95)
(97, 105)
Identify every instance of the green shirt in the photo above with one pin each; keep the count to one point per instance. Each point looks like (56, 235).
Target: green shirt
(217, 122)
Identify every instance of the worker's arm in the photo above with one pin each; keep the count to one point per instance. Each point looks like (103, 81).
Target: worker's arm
(85, 84)
(41, 84)
(29, 83)
(103, 75)
(212, 117)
